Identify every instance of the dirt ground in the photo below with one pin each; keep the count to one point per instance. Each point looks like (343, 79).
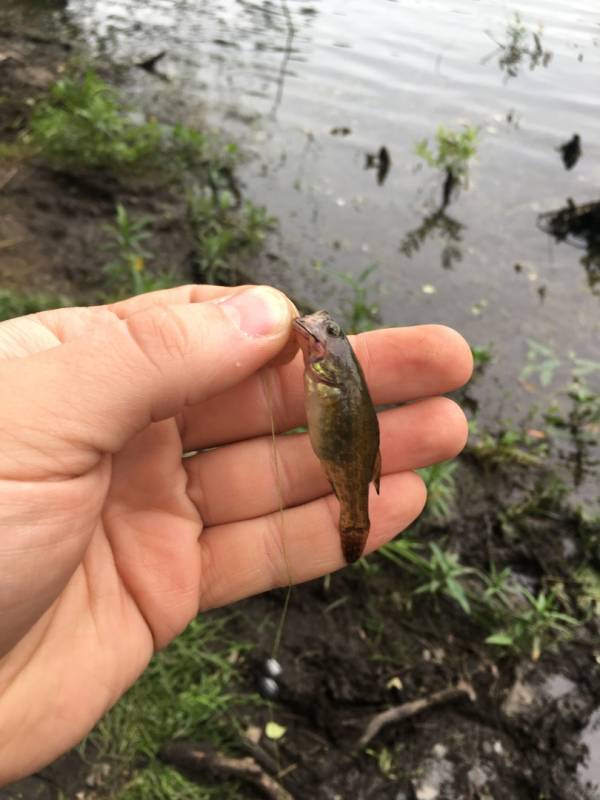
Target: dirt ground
(354, 647)
(52, 235)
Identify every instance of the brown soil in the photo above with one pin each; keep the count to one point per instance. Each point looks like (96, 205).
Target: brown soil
(52, 235)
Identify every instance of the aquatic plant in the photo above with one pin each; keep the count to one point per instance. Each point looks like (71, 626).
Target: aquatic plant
(451, 153)
(516, 48)
(509, 446)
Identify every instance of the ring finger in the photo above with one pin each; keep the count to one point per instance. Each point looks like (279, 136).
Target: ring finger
(238, 481)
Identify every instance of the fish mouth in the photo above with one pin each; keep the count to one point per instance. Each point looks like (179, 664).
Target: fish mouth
(312, 347)
(303, 329)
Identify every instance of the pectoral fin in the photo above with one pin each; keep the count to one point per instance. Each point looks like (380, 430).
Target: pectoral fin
(377, 471)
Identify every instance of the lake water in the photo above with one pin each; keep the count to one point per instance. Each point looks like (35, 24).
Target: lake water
(283, 75)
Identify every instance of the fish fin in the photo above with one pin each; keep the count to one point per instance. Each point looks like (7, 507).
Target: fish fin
(353, 543)
(377, 471)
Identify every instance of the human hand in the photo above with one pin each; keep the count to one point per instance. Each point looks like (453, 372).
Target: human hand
(110, 542)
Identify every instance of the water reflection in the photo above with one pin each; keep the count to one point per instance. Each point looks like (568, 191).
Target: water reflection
(381, 162)
(440, 224)
(519, 47)
(578, 225)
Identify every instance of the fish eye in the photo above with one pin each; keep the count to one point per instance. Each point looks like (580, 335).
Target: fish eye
(333, 329)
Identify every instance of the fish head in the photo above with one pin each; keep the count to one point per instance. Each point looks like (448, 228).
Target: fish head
(324, 345)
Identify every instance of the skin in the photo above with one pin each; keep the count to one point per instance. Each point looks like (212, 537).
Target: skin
(342, 423)
(110, 543)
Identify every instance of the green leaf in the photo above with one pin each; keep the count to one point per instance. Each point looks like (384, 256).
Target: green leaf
(503, 639)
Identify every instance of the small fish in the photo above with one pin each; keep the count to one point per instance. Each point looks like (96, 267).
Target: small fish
(342, 423)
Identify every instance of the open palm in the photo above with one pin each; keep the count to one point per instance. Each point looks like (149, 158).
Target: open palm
(110, 542)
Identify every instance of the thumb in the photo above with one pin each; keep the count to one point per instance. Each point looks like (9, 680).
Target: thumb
(63, 407)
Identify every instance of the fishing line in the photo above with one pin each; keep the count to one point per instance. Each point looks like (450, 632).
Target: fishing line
(269, 402)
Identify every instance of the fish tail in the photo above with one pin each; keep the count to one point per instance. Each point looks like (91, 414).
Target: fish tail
(353, 542)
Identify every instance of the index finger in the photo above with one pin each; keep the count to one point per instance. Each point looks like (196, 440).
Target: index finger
(400, 364)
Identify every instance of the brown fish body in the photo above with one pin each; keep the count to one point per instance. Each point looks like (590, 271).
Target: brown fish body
(342, 424)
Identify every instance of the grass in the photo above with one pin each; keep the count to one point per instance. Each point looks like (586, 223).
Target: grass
(534, 623)
(18, 304)
(223, 234)
(360, 312)
(82, 125)
(187, 692)
(127, 273)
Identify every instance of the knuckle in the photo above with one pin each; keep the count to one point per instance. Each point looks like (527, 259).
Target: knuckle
(160, 334)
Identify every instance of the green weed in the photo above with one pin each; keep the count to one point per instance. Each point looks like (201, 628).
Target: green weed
(440, 481)
(482, 356)
(452, 151)
(359, 311)
(16, 304)
(534, 624)
(581, 423)
(82, 125)
(588, 596)
(541, 362)
(517, 48)
(186, 692)
(223, 233)
(444, 576)
(127, 273)
(508, 447)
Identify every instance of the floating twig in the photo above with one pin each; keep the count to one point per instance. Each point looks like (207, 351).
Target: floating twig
(202, 758)
(414, 707)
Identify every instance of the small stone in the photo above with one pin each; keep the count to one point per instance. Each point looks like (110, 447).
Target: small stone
(268, 687)
(477, 777)
(273, 668)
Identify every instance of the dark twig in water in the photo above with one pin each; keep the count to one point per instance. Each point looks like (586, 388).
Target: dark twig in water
(411, 709)
(149, 64)
(199, 758)
(287, 54)
(570, 151)
(381, 161)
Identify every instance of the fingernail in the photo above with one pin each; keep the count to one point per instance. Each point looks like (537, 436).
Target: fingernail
(260, 311)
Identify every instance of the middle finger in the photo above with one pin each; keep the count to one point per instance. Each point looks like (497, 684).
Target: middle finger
(238, 481)
(400, 364)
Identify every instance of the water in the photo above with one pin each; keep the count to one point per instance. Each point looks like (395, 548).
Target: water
(283, 75)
